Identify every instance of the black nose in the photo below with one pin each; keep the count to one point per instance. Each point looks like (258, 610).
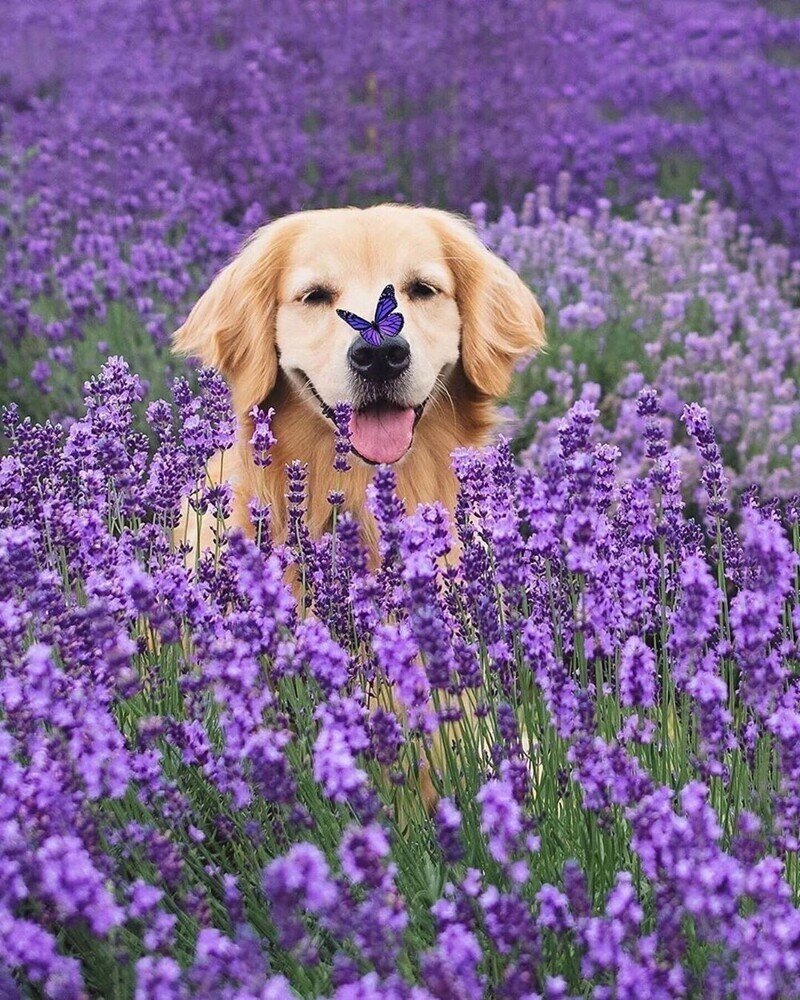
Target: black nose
(382, 363)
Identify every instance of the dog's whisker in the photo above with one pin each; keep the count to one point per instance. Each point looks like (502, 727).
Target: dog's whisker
(436, 401)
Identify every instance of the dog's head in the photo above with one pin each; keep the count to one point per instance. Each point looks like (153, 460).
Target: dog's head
(274, 309)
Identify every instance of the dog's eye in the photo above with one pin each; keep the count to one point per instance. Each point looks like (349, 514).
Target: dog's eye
(421, 290)
(318, 296)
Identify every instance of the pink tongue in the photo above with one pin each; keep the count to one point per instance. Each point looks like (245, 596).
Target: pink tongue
(382, 436)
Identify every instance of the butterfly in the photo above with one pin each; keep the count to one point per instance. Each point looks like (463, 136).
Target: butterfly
(387, 322)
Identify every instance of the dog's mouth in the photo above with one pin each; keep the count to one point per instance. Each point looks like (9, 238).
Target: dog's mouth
(381, 431)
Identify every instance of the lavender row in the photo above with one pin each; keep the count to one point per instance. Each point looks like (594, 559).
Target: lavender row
(438, 102)
(209, 790)
(139, 144)
(687, 299)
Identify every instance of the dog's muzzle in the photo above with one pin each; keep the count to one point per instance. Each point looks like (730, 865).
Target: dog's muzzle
(381, 430)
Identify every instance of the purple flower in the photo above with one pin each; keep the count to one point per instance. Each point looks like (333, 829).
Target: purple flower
(299, 882)
(713, 477)
(69, 881)
(342, 413)
(396, 653)
(508, 921)
(327, 662)
(451, 968)
(28, 948)
(270, 771)
(554, 909)
(342, 734)
(361, 852)
(637, 677)
(448, 831)
(159, 978)
(695, 618)
(386, 736)
(501, 819)
(262, 439)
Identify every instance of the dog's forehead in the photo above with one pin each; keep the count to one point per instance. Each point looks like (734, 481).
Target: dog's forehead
(378, 243)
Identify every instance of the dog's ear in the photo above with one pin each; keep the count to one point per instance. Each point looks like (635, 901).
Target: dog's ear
(501, 320)
(232, 325)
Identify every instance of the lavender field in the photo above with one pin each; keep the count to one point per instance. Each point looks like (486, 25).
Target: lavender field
(210, 784)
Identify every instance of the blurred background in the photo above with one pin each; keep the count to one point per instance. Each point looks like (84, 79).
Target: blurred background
(637, 162)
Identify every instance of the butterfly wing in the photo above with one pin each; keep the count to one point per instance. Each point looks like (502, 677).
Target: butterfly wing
(372, 335)
(391, 326)
(368, 330)
(386, 303)
(356, 322)
(388, 325)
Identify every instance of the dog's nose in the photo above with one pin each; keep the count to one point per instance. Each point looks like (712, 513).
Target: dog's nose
(382, 363)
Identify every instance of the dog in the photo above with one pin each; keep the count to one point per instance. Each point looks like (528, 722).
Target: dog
(269, 324)
(274, 323)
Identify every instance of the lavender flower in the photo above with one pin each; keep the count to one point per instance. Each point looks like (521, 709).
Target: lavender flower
(452, 967)
(501, 819)
(298, 882)
(448, 831)
(72, 884)
(262, 439)
(342, 413)
(637, 682)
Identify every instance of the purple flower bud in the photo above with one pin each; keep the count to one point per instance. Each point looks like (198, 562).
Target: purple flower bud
(342, 413)
(637, 678)
(262, 439)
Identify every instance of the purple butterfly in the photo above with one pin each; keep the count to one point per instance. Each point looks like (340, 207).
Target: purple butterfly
(387, 322)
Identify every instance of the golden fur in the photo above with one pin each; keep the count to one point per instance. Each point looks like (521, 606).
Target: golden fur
(236, 326)
(250, 325)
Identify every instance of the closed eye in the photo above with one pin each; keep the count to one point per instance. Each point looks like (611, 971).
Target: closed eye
(319, 295)
(419, 289)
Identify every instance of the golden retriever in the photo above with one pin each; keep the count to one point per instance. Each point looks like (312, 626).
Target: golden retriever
(269, 324)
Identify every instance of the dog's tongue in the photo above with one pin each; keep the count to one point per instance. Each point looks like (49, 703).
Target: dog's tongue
(382, 435)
